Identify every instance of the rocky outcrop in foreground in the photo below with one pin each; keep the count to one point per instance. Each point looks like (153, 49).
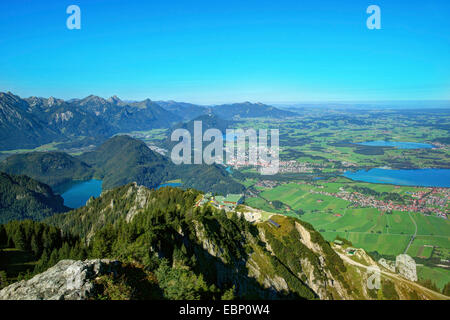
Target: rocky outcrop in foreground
(403, 265)
(67, 280)
(406, 266)
(390, 265)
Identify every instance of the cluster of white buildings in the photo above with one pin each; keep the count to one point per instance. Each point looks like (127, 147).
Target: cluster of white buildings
(293, 166)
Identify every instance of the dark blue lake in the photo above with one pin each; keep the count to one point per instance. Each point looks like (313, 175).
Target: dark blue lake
(415, 177)
(397, 144)
(76, 193)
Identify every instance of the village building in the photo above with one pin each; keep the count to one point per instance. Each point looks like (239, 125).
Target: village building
(228, 203)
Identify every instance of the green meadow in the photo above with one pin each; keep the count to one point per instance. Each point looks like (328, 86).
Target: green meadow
(367, 228)
(298, 196)
(439, 276)
(16, 262)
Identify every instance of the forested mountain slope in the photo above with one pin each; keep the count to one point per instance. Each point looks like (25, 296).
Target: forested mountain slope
(24, 198)
(52, 168)
(205, 253)
(118, 161)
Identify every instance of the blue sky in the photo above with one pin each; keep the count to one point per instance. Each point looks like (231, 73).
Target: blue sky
(227, 51)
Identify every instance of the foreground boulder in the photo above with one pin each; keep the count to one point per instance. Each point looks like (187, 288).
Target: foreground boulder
(67, 280)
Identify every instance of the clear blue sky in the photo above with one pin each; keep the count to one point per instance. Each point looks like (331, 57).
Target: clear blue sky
(222, 51)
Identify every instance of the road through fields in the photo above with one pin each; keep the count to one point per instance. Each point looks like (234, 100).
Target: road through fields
(414, 235)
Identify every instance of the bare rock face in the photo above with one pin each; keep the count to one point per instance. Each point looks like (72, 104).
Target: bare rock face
(67, 280)
(406, 266)
(390, 265)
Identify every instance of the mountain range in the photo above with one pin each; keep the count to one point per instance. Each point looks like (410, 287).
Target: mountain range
(19, 128)
(250, 110)
(32, 122)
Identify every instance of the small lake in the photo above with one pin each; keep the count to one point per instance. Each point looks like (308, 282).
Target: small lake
(397, 144)
(231, 137)
(76, 193)
(414, 177)
(170, 184)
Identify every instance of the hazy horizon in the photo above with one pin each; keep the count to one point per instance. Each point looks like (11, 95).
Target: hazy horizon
(288, 104)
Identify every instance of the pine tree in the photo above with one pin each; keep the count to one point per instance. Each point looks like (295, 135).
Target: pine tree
(446, 289)
(53, 258)
(229, 294)
(35, 246)
(3, 279)
(3, 237)
(19, 239)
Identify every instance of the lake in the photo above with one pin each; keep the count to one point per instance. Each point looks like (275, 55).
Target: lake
(397, 144)
(231, 137)
(415, 177)
(76, 193)
(170, 184)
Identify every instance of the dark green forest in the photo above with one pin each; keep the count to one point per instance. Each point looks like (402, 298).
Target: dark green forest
(25, 198)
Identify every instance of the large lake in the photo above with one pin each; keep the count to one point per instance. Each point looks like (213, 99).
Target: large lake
(397, 144)
(76, 193)
(415, 177)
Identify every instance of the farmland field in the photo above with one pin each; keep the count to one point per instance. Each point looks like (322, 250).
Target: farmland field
(387, 233)
(441, 248)
(298, 197)
(438, 275)
(368, 228)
